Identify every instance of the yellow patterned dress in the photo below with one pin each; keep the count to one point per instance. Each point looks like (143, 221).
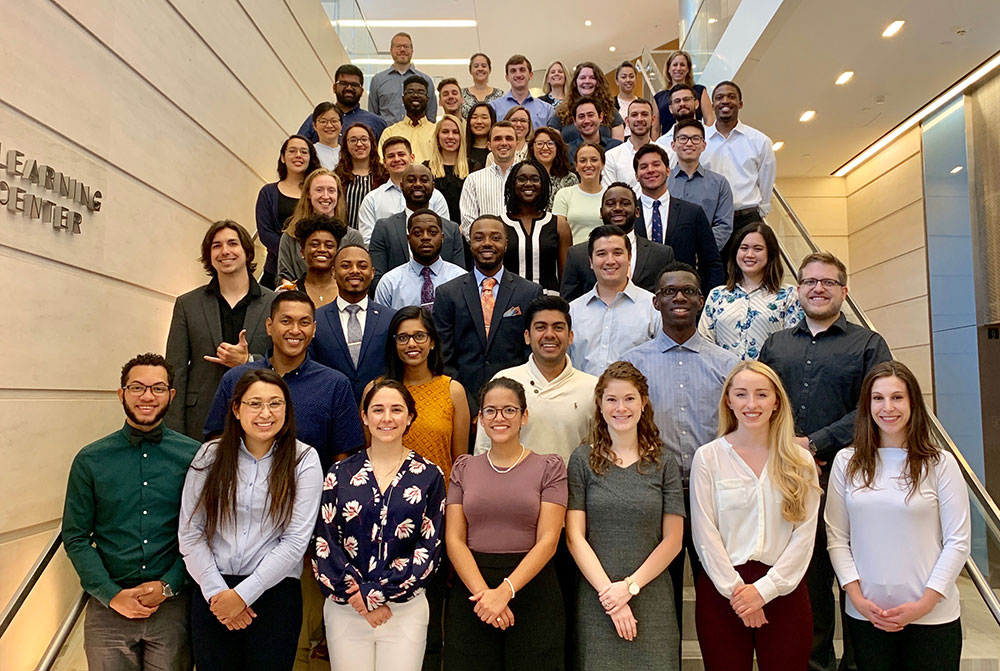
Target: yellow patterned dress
(430, 435)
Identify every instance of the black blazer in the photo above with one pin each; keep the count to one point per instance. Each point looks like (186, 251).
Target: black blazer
(650, 258)
(690, 234)
(196, 330)
(389, 247)
(329, 347)
(458, 314)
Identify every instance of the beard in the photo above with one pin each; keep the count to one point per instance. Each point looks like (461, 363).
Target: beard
(820, 314)
(145, 423)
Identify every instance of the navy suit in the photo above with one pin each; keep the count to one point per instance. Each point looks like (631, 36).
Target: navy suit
(689, 233)
(329, 347)
(468, 352)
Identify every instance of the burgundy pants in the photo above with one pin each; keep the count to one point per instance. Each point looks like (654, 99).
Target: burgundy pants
(783, 644)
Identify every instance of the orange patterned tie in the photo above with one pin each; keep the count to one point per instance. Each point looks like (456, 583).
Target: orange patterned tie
(488, 300)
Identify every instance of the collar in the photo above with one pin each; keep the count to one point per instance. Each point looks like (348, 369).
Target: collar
(667, 343)
(841, 324)
(495, 167)
(301, 368)
(134, 436)
(711, 131)
(416, 267)
(510, 97)
(353, 110)
(480, 277)
(647, 201)
(245, 452)
(423, 121)
(342, 304)
(541, 380)
(409, 70)
(391, 185)
(631, 291)
(678, 171)
(254, 292)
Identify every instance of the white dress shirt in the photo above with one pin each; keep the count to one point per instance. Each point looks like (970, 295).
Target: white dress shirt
(664, 142)
(618, 166)
(387, 200)
(646, 202)
(345, 315)
(736, 517)
(896, 545)
(746, 159)
(602, 332)
(402, 285)
(482, 193)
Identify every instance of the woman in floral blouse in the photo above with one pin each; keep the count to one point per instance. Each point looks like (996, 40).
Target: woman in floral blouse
(740, 315)
(378, 541)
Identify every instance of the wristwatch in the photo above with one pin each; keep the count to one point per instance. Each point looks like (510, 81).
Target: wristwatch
(812, 448)
(633, 586)
(167, 591)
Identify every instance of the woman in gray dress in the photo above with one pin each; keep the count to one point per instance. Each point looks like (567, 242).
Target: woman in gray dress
(624, 525)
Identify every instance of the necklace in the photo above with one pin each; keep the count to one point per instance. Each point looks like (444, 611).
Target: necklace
(509, 468)
(392, 470)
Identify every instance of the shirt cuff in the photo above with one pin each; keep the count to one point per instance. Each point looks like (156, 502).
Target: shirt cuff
(766, 588)
(372, 594)
(106, 592)
(249, 590)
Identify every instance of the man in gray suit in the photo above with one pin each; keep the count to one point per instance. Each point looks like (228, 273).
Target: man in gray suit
(389, 246)
(216, 327)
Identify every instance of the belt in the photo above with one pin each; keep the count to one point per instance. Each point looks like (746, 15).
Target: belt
(746, 210)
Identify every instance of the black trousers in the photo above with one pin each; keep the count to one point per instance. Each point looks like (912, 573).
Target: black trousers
(819, 579)
(676, 567)
(918, 647)
(268, 644)
(535, 642)
(436, 591)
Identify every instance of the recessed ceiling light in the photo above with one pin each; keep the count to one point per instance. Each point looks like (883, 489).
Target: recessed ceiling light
(844, 78)
(893, 28)
(777, 145)
(807, 115)
(611, 48)
(587, 23)
(957, 169)
(405, 23)
(713, 20)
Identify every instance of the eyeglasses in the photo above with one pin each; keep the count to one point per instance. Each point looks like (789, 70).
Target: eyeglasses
(810, 282)
(508, 411)
(544, 144)
(291, 151)
(528, 179)
(350, 85)
(685, 99)
(670, 292)
(328, 122)
(688, 139)
(419, 337)
(138, 388)
(355, 141)
(256, 405)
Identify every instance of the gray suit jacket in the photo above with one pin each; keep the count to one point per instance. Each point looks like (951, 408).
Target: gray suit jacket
(389, 247)
(196, 330)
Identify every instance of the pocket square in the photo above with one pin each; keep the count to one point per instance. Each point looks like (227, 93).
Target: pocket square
(513, 312)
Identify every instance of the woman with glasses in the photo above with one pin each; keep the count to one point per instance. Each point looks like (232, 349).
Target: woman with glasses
(359, 169)
(554, 84)
(480, 67)
(740, 315)
(448, 163)
(547, 147)
(276, 201)
(537, 240)
(378, 540)
(477, 134)
(327, 121)
(521, 120)
(247, 514)
(505, 513)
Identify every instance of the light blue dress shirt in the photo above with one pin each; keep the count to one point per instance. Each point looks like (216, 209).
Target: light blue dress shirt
(685, 385)
(602, 333)
(541, 112)
(402, 285)
(710, 191)
(252, 545)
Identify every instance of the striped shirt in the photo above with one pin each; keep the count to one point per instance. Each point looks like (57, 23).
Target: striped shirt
(740, 322)
(482, 194)
(354, 193)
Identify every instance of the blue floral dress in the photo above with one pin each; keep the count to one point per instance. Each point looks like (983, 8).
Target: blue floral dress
(741, 321)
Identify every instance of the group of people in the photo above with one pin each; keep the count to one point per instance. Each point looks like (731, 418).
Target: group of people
(485, 422)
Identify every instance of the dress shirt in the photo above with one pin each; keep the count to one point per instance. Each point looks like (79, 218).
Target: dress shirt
(482, 194)
(646, 203)
(822, 375)
(581, 209)
(540, 111)
(498, 276)
(386, 200)
(736, 517)
(345, 315)
(351, 117)
(562, 408)
(328, 156)
(385, 94)
(711, 191)
(120, 519)
(402, 285)
(420, 135)
(387, 543)
(685, 384)
(602, 333)
(741, 321)
(251, 544)
(326, 415)
(618, 166)
(899, 545)
(746, 160)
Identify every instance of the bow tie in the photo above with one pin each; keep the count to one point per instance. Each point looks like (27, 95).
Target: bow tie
(154, 435)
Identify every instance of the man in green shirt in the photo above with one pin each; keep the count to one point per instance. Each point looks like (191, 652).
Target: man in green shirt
(120, 529)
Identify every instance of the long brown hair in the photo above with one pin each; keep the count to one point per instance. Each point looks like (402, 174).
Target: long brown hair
(345, 166)
(601, 95)
(560, 163)
(921, 451)
(304, 207)
(650, 444)
(689, 78)
(218, 497)
(773, 269)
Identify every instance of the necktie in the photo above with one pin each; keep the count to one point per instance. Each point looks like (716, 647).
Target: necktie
(354, 332)
(488, 300)
(427, 289)
(656, 231)
(154, 435)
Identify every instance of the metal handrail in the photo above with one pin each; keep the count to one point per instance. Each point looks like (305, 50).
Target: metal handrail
(65, 629)
(21, 593)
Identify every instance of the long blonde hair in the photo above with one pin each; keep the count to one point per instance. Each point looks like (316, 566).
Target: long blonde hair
(790, 469)
(436, 162)
(304, 207)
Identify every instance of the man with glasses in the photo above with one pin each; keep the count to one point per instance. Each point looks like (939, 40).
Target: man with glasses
(821, 362)
(119, 527)
(686, 374)
(386, 96)
(682, 104)
(697, 184)
(618, 160)
(415, 126)
(348, 87)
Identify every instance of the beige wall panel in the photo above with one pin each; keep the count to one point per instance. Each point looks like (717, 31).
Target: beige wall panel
(75, 328)
(315, 23)
(821, 215)
(812, 187)
(903, 324)
(836, 244)
(900, 232)
(17, 554)
(896, 189)
(903, 148)
(918, 359)
(894, 281)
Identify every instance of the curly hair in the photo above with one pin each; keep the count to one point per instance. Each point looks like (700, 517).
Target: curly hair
(512, 203)
(345, 166)
(650, 445)
(601, 95)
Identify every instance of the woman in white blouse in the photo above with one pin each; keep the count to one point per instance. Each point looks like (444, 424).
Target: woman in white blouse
(754, 507)
(753, 304)
(897, 519)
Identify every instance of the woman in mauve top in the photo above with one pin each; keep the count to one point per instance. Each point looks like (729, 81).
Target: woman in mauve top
(505, 512)
(897, 520)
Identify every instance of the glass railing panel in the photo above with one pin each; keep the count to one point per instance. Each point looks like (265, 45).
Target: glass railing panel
(348, 20)
(702, 34)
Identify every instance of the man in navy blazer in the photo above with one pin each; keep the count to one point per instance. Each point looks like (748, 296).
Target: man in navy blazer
(361, 359)
(685, 227)
(473, 352)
